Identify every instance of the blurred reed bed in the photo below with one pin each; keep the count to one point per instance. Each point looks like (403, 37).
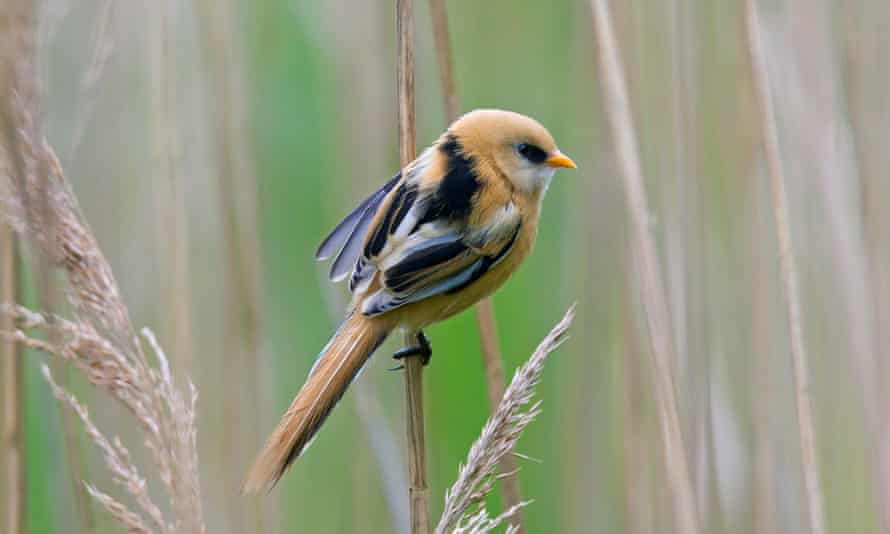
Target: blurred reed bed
(309, 115)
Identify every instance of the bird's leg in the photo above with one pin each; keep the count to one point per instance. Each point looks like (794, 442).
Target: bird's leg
(423, 348)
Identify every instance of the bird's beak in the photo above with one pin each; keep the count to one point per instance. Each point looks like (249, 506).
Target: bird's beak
(558, 159)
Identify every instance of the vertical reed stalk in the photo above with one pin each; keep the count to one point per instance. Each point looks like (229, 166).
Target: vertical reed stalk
(661, 343)
(417, 490)
(485, 317)
(790, 281)
(12, 429)
(12, 435)
(442, 38)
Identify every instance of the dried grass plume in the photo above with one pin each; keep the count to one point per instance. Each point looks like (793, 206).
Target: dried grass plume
(464, 513)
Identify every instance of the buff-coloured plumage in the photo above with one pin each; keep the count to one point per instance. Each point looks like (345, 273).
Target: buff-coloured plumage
(446, 232)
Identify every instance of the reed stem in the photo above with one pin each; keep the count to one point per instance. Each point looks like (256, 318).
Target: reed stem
(12, 435)
(417, 490)
(788, 267)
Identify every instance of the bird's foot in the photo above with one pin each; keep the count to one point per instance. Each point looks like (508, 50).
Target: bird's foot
(422, 348)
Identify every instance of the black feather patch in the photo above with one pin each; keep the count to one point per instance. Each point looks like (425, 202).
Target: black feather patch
(487, 262)
(453, 198)
(406, 203)
(401, 203)
(428, 257)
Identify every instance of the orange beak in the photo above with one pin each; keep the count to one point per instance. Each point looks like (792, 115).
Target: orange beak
(558, 159)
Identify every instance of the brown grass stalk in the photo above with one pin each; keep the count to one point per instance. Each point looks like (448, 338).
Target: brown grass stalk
(464, 512)
(417, 480)
(12, 429)
(790, 279)
(12, 434)
(661, 343)
(442, 39)
(485, 316)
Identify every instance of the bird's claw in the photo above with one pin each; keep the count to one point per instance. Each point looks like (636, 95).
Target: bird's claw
(422, 348)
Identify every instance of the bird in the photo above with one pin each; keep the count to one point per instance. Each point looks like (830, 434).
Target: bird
(444, 233)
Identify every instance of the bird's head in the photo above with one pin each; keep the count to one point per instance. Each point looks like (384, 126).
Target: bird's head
(515, 146)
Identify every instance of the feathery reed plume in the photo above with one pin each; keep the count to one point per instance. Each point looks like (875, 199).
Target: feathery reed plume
(485, 317)
(417, 489)
(166, 417)
(499, 435)
(661, 341)
(11, 428)
(100, 341)
(790, 281)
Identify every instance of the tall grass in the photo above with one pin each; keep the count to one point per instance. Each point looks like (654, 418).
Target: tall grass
(790, 277)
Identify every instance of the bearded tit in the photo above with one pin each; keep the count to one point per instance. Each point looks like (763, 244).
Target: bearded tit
(445, 232)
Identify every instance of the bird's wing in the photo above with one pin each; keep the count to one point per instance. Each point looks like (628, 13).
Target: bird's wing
(347, 237)
(438, 262)
(422, 242)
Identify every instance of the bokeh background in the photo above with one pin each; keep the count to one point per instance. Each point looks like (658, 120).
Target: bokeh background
(212, 145)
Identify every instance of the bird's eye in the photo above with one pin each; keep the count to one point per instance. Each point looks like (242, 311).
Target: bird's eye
(531, 152)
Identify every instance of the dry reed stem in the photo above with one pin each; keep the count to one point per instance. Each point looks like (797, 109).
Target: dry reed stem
(790, 281)
(417, 489)
(515, 412)
(485, 316)
(12, 434)
(825, 148)
(12, 429)
(442, 39)
(661, 343)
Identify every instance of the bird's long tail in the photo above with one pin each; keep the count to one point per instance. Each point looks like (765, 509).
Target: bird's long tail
(337, 365)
